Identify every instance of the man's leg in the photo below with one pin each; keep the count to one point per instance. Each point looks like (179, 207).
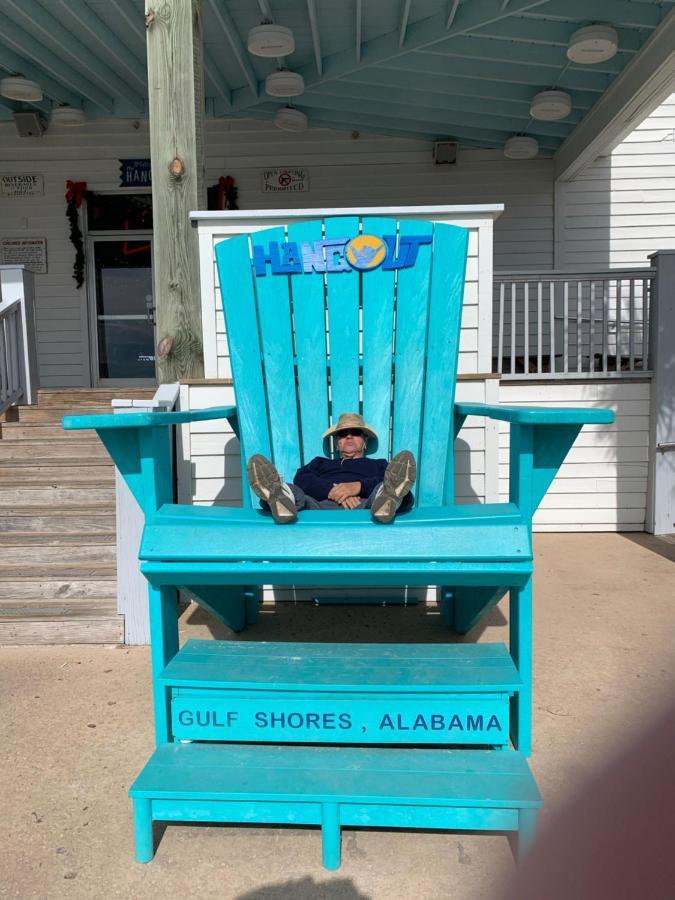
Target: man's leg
(394, 492)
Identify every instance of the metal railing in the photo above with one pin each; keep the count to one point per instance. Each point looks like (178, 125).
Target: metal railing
(562, 325)
(18, 364)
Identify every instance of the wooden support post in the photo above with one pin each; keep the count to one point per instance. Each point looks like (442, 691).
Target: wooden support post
(176, 104)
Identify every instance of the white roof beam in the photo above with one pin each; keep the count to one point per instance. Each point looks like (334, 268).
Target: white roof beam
(226, 22)
(642, 86)
(359, 22)
(316, 40)
(403, 27)
(452, 12)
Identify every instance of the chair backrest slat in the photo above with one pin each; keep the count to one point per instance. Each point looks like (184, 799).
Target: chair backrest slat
(377, 300)
(447, 283)
(276, 337)
(294, 300)
(309, 316)
(343, 324)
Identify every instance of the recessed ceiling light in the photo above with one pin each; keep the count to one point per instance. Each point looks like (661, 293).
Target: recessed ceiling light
(68, 115)
(15, 87)
(285, 84)
(270, 40)
(521, 147)
(593, 44)
(551, 105)
(289, 119)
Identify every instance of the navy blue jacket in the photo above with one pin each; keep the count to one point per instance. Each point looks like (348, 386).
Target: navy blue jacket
(318, 477)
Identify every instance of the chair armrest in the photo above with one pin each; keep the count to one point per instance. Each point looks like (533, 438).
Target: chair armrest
(537, 415)
(147, 419)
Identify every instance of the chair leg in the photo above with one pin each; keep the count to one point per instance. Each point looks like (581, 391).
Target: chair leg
(520, 647)
(527, 828)
(143, 840)
(446, 604)
(330, 835)
(164, 646)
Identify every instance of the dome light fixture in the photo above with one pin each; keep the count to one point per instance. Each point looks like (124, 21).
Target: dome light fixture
(285, 84)
(521, 147)
(269, 39)
(593, 44)
(68, 115)
(289, 119)
(16, 87)
(549, 106)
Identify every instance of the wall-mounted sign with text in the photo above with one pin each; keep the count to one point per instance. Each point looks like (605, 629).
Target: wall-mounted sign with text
(284, 180)
(135, 173)
(16, 186)
(28, 252)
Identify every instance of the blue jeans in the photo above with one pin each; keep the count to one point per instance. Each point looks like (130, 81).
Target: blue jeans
(304, 501)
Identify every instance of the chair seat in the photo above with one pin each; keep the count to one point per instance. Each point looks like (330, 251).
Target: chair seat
(472, 533)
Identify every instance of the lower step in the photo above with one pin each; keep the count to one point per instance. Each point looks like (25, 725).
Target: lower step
(75, 628)
(335, 787)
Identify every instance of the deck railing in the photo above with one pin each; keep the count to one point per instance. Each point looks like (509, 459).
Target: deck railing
(18, 364)
(562, 325)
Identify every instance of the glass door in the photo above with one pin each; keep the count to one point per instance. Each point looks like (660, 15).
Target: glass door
(124, 335)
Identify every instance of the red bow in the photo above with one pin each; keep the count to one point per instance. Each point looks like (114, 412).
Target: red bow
(75, 189)
(224, 183)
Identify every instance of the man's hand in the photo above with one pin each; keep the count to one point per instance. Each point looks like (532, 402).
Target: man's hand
(340, 492)
(350, 503)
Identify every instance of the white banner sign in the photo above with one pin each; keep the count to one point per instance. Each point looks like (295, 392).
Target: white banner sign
(16, 186)
(28, 252)
(284, 179)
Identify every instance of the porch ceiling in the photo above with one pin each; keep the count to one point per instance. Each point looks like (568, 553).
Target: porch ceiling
(465, 69)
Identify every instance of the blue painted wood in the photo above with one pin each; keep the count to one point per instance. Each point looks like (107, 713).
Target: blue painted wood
(276, 339)
(343, 317)
(307, 716)
(143, 838)
(330, 835)
(346, 668)
(146, 419)
(470, 604)
(445, 310)
(412, 315)
(377, 300)
(433, 534)
(163, 609)
(309, 314)
(520, 647)
(226, 603)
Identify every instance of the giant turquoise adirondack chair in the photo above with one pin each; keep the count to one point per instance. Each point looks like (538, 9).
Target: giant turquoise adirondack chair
(325, 317)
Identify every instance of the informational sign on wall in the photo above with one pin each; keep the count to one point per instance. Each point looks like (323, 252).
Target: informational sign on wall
(28, 252)
(135, 173)
(16, 186)
(284, 180)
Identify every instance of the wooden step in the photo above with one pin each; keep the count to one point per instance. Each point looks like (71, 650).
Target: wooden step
(38, 607)
(53, 414)
(18, 431)
(55, 523)
(19, 590)
(65, 540)
(92, 396)
(65, 569)
(69, 453)
(46, 495)
(82, 627)
(335, 787)
(25, 472)
(28, 556)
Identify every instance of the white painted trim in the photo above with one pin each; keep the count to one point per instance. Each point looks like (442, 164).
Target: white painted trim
(635, 93)
(493, 210)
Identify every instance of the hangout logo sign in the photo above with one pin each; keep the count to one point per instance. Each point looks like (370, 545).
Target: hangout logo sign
(363, 253)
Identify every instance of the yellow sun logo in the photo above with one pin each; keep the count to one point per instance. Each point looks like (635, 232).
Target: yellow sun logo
(366, 252)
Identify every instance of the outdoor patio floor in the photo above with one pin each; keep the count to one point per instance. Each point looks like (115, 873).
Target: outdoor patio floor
(76, 729)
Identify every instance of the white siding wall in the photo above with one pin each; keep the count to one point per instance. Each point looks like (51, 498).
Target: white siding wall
(602, 484)
(622, 207)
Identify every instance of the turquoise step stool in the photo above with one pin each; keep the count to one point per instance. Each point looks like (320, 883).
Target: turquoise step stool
(343, 736)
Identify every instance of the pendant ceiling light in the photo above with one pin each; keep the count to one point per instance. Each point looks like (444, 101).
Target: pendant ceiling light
(68, 115)
(285, 84)
(548, 106)
(593, 44)
(15, 87)
(289, 119)
(270, 40)
(521, 147)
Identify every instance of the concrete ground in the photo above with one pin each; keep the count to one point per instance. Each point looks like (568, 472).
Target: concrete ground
(76, 728)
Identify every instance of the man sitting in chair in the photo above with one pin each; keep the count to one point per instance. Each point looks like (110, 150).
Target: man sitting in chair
(351, 482)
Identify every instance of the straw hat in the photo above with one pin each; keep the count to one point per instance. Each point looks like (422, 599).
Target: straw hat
(350, 420)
